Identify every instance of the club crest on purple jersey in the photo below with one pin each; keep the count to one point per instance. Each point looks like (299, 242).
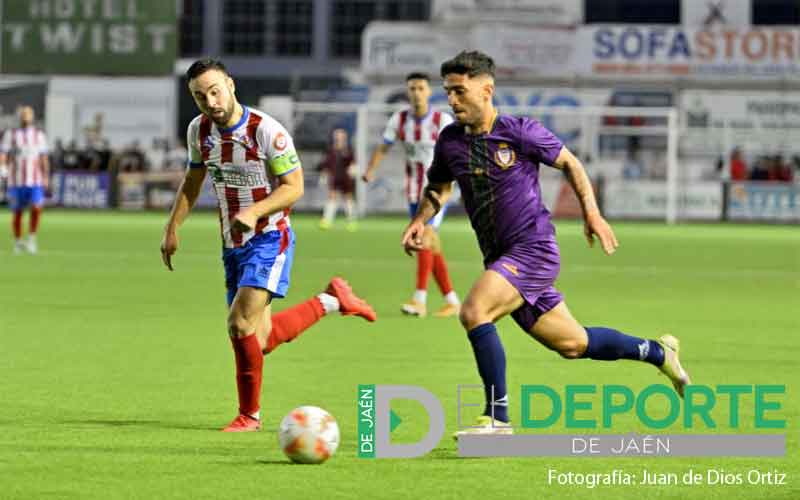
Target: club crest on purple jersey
(505, 157)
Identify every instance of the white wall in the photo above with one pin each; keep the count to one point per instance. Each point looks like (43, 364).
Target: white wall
(132, 108)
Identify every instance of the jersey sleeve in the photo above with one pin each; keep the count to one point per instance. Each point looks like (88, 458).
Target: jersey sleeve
(439, 172)
(538, 143)
(445, 120)
(193, 144)
(278, 148)
(390, 132)
(44, 148)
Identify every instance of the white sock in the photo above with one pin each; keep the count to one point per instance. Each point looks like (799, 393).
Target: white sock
(452, 298)
(421, 296)
(329, 302)
(348, 206)
(32, 238)
(330, 211)
(256, 415)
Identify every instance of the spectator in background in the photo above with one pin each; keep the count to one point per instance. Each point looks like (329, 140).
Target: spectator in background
(177, 156)
(633, 168)
(57, 155)
(71, 157)
(131, 159)
(738, 166)
(760, 171)
(781, 170)
(339, 168)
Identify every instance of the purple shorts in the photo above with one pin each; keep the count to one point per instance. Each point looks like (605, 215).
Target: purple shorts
(531, 268)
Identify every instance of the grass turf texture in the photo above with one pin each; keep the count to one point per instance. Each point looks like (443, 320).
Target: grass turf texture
(116, 374)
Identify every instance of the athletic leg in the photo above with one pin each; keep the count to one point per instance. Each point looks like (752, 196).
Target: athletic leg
(558, 330)
(442, 275)
(329, 212)
(490, 298)
(248, 309)
(288, 324)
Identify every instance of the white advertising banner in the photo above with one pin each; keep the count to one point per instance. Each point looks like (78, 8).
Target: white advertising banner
(716, 108)
(717, 13)
(644, 199)
(395, 49)
(541, 12)
(666, 52)
(400, 48)
(757, 121)
(527, 52)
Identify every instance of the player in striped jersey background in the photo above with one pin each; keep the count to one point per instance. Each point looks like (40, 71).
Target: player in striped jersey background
(417, 128)
(24, 151)
(257, 178)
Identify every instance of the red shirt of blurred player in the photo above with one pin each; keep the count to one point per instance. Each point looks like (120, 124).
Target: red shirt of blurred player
(338, 163)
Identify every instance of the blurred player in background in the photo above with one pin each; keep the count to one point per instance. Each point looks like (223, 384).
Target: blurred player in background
(23, 152)
(417, 128)
(495, 160)
(338, 167)
(257, 177)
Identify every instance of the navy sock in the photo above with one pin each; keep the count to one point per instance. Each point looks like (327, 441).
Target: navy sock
(609, 344)
(491, 359)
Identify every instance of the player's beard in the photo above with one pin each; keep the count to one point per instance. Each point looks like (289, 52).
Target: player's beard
(225, 116)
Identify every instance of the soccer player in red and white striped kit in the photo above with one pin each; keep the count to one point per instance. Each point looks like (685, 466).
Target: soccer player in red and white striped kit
(417, 128)
(257, 177)
(28, 176)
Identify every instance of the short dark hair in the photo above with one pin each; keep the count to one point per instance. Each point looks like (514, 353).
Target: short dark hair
(417, 75)
(202, 65)
(472, 64)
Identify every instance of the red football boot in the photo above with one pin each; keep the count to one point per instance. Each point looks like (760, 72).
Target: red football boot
(350, 304)
(243, 423)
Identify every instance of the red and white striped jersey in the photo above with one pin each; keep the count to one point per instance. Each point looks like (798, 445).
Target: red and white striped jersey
(418, 136)
(244, 162)
(25, 148)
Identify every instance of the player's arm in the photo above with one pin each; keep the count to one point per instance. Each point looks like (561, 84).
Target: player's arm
(185, 199)
(594, 223)
(45, 162)
(375, 161)
(5, 145)
(290, 189)
(434, 196)
(390, 135)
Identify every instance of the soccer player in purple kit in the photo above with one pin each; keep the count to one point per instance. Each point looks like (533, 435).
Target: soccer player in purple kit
(495, 160)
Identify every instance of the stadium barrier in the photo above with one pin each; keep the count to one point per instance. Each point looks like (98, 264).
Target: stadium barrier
(665, 187)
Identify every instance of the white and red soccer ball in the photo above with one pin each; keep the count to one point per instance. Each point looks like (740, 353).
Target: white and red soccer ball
(308, 435)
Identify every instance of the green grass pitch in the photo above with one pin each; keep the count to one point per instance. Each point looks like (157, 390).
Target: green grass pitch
(116, 375)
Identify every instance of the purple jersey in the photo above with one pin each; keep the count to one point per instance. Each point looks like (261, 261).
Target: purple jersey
(498, 174)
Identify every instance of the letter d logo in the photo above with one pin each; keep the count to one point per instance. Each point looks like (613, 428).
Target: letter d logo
(384, 394)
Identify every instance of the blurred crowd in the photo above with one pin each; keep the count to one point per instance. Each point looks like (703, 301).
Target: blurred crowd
(774, 168)
(98, 156)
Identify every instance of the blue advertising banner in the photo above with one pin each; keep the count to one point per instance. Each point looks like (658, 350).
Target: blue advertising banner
(764, 201)
(80, 189)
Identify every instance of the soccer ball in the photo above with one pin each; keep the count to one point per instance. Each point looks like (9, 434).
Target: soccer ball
(308, 435)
